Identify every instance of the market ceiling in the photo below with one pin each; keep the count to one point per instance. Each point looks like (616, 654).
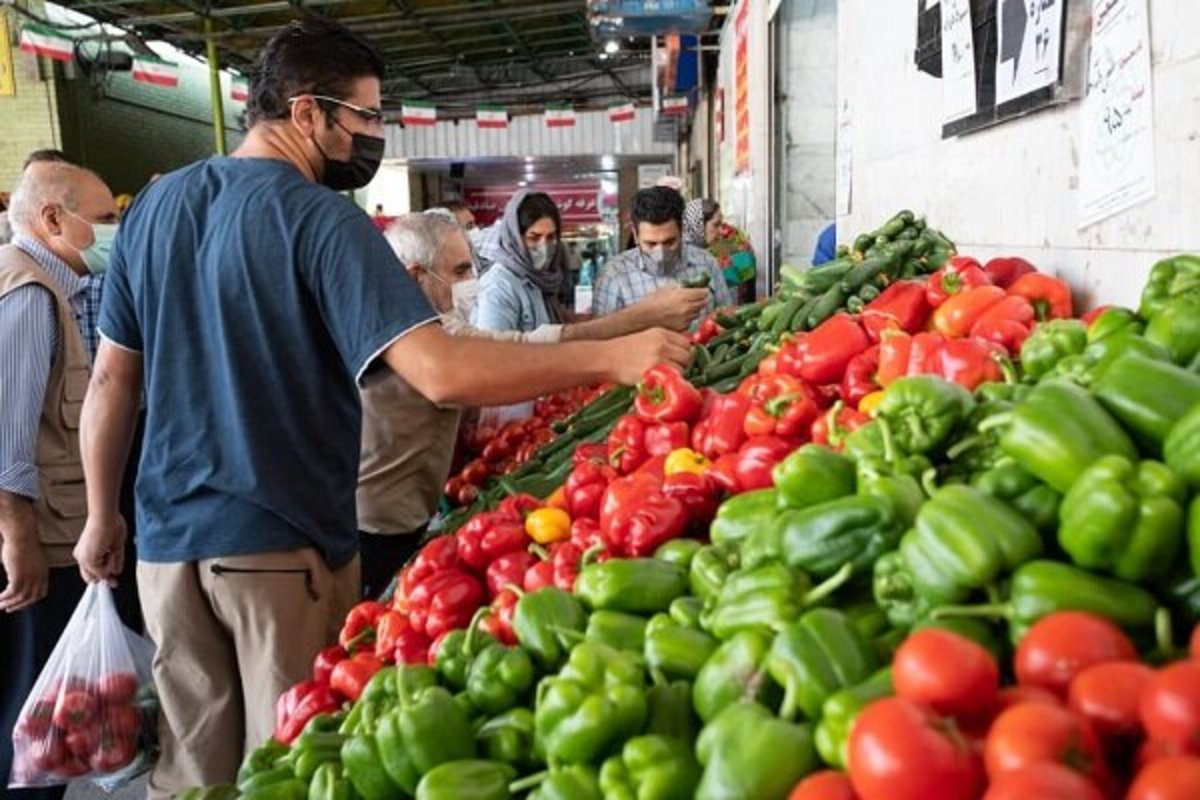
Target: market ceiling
(456, 53)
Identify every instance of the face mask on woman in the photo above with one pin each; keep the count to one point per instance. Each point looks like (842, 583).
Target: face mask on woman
(541, 255)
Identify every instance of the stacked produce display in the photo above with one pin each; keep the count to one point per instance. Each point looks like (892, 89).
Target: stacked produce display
(894, 535)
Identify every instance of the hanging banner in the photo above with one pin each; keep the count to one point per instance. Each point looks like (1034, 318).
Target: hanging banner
(741, 89)
(156, 71)
(239, 90)
(42, 40)
(622, 112)
(493, 117)
(560, 117)
(578, 202)
(8, 78)
(417, 112)
(675, 105)
(1029, 54)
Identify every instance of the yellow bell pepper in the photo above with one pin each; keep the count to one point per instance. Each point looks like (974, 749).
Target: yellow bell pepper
(870, 404)
(685, 459)
(548, 525)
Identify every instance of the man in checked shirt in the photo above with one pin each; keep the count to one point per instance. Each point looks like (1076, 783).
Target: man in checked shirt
(64, 218)
(660, 259)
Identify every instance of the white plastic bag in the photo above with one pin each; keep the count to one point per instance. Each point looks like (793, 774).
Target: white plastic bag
(93, 711)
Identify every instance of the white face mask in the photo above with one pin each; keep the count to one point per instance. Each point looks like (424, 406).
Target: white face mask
(541, 256)
(465, 294)
(662, 258)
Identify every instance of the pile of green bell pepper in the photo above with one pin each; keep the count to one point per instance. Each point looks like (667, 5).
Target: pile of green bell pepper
(747, 752)
(816, 656)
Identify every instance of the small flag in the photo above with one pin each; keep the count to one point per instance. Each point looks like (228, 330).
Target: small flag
(149, 69)
(622, 112)
(675, 104)
(560, 117)
(239, 90)
(416, 112)
(42, 40)
(491, 117)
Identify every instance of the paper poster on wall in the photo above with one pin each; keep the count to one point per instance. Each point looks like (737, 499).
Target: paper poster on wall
(958, 61)
(845, 155)
(1116, 158)
(1029, 55)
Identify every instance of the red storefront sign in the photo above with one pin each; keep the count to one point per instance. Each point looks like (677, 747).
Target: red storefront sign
(578, 203)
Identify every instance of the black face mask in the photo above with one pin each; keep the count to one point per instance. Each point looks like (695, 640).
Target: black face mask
(366, 153)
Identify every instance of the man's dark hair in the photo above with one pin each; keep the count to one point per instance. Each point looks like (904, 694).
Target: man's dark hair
(48, 156)
(657, 205)
(310, 56)
(454, 206)
(535, 206)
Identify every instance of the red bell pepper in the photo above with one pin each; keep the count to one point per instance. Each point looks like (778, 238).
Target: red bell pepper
(519, 506)
(444, 601)
(969, 362)
(298, 705)
(960, 274)
(621, 498)
(705, 331)
(359, 627)
(895, 350)
(955, 317)
(586, 533)
(489, 535)
(626, 444)
(860, 378)
(769, 365)
(399, 642)
(585, 488)
(722, 431)
(1050, 296)
(351, 676)
(590, 451)
(1004, 272)
(1008, 323)
(567, 558)
(499, 621)
(664, 395)
(509, 569)
(723, 473)
(925, 357)
(636, 503)
(439, 554)
(538, 576)
(832, 428)
(902, 306)
(664, 437)
(699, 495)
(757, 458)
(657, 519)
(780, 405)
(821, 355)
(325, 661)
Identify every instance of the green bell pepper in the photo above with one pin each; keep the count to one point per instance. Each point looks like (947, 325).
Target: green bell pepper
(669, 711)
(393, 754)
(314, 748)
(1043, 587)
(435, 729)
(1193, 534)
(876, 452)
(1016, 486)
(1050, 343)
(736, 671)
(674, 650)
(1178, 276)
(263, 758)
(868, 618)
(458, 649)
(363, 767)
(508, 738)
(1058, 431)
(841, 709)
(741, 514)
(636, 585)
(1114, 321)
(964, 540)
(922, 411)
(769, 596)
(904, 492)
(816, 656)
(1182, 594)
(500, 678)
(651, 768)
(1148, 396)
(596, 702)
(853, 530)
(678, 551)
(328, 784)
(712, 566)
(811, 475)
(576, 782)
(279, 778)
(617, 629)
(686, 611)
(290, 789)
(546, 622)
(746, 752)
(1124, 517)
(410, 680)
(1177, 328)
(1181, 450)
(1100, 354)
(894, 589)
(469, 779)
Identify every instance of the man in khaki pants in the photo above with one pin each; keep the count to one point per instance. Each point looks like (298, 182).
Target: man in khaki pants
(249, 300)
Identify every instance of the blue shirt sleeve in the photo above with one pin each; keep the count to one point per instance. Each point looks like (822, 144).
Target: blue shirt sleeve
(499, 306)
(826, 249)
(118, 321)
(27, 331)
(364, 293)
(606, 295)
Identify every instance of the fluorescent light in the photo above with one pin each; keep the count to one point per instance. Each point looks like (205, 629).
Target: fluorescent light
(608, 162)
(612, 46)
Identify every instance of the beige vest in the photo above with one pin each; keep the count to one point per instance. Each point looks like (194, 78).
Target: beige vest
(61, 508)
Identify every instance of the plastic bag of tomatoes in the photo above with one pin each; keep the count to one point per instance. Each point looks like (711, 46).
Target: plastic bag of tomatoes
(93, 711)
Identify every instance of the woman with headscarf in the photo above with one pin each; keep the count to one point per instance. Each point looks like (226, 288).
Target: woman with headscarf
(520, 292)
(701, 222)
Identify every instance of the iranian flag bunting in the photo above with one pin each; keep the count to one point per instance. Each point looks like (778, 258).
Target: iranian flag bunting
(622, 112)
(416, 112)
(149, 69)
(491, 117)
(42, 40)
(239, 90)
(675, 104)
(560, 117)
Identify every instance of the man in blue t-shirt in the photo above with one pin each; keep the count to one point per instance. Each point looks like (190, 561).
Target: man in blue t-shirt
(248, 300)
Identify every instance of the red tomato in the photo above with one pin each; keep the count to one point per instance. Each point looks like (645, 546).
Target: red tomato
(496, 451)
(467, 494)
(75, 710)
(1014, 695)
(453, 487)
(47, 753)
(117, 687)
(1043, 781)
(82, 741)
(36, 723)
(1156, 749)
(901, 751)
(72, 684)
(827, 784)
(73, 767)
(1061, 645)
(1106, 695)
(947, 672)
(122, 720)
(1170, 704)
(1168, 779)
(113, 753)
(476, 472)
(1031, 733)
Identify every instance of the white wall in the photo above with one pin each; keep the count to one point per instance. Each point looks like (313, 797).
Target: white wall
(1013, 189)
